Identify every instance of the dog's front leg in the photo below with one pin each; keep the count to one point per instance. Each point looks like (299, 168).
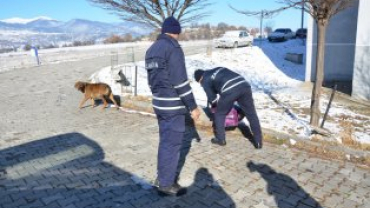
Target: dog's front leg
(114, 101)
(83, 101)
(105, 103)
(92, 102)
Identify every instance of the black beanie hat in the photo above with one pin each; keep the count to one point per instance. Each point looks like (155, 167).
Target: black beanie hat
(171, 25)
(198, 74)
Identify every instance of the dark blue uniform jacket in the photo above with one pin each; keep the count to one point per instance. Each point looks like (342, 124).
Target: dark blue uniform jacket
(221, 81)
(167, 77)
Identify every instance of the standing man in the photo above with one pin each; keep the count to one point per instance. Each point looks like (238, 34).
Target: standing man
(230, 87)
(172, 99)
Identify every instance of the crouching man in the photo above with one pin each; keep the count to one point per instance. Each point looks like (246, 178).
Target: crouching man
(230, 87)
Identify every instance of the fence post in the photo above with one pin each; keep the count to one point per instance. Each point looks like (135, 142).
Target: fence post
(135, 90)
(133, 54)
(113, 59)
(209, 48)
(113, 65)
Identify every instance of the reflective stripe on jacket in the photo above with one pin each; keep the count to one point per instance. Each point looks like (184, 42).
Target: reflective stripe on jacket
(220, 81)
(167, 77)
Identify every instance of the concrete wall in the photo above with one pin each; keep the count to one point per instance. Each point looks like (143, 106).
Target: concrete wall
(361, 76)
(339, 49)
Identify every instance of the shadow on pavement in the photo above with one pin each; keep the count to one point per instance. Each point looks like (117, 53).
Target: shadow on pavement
(286, 190)
(69, 171)
(208, 191)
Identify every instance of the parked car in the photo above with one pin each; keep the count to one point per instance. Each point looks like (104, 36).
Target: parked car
(281, 34)
(301, 33)
(234, 39)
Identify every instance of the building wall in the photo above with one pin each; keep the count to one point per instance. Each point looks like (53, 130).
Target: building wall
(361, 76)
(339, 48)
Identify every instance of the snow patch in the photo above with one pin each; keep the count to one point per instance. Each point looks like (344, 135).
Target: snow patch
(281, 102)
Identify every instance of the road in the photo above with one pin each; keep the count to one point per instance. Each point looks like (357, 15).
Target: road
(54, 155)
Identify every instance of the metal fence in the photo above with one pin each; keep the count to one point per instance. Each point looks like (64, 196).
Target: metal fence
(124, 75)
(125, 70)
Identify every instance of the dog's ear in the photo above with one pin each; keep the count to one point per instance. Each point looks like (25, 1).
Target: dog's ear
(80, 86)
(77, 84)
(83, 86)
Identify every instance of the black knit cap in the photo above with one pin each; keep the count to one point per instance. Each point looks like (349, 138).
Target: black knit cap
(171, 25)
(198, 74)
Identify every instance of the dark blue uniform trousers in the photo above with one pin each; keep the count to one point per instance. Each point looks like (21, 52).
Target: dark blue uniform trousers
(171, 134)
(243, 95)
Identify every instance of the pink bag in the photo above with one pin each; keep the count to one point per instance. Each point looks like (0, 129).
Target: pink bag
(231, 119)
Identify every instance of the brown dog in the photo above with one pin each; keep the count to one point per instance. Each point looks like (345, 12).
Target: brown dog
(95, 91)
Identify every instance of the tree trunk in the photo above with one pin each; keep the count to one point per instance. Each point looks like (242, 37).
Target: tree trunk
(316, 91)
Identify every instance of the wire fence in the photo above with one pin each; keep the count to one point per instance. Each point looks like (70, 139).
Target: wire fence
(124, 67)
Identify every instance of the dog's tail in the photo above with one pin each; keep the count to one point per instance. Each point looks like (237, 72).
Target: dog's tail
(107, 90)
(110, 95)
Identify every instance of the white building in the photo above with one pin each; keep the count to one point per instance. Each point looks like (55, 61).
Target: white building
(347, 50)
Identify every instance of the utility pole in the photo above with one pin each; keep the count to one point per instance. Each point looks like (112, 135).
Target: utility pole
(261, 24)
(302, 19)
(263, 14)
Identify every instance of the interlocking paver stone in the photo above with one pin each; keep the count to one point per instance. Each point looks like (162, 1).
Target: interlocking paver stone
(54, 155)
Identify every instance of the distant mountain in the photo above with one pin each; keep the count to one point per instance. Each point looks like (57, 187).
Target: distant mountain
(86, 26)
(44, 24)
(43, 31)
(17, 20)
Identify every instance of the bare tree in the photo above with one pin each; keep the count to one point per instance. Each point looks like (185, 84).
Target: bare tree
(153, 12)
(262, 14)
(242, 28)
(269, 25)
(321, 11)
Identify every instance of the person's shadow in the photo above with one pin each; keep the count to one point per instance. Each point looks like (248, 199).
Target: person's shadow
(209, 192)
(70, 170)
(286, 191)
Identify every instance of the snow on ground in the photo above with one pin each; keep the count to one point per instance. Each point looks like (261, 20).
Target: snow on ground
(276, 53)
(14, 60)
(272, 78)
(262, 65)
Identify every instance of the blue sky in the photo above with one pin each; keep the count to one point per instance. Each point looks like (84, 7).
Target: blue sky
(65, 10)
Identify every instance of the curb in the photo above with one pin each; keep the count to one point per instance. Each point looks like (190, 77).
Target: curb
(328, 150)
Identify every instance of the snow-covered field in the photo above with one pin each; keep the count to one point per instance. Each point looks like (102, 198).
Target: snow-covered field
(272, 78)
(14, 60)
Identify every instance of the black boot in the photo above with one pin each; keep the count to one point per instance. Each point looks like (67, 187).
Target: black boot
(165, 191)
(257, 144)
(219, 142)
(174, 190)
(156, 183)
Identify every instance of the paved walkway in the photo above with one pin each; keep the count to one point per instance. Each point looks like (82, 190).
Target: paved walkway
(54, 155)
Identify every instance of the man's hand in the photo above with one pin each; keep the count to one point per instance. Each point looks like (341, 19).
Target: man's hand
(195, 114)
